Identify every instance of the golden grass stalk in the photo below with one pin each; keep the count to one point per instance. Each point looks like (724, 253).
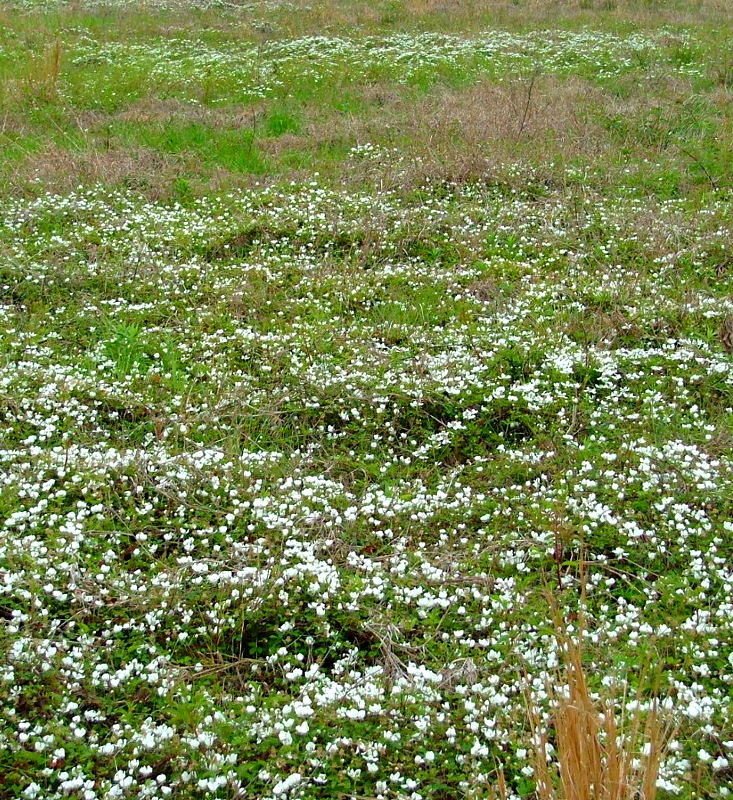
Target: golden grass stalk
(43, 78)
(599, 757)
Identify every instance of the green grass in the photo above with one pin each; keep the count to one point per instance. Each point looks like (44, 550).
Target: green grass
(234, 150)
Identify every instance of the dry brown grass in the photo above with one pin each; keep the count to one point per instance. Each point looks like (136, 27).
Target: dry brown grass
(599, 755)
(530, 109)
(448, 135)
(468, 15)
(40, 81)
(454, 135)
(458, 135)
(59, 170)
(481, 115)
(152, 110)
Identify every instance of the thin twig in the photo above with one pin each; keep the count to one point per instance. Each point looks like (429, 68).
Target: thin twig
(698, 161)
(528, 102)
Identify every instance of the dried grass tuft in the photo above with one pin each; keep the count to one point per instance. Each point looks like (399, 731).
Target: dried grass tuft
(599, 756)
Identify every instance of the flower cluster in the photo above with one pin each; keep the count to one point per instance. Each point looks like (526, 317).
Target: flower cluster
(286, 474)
(243, 72)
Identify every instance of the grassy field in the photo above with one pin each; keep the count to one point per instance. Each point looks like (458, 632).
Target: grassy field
(365, 369)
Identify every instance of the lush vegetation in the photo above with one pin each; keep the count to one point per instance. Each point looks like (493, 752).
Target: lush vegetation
(358, 363)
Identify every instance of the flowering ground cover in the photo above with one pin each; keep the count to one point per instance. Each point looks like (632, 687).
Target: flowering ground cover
(307, 462)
